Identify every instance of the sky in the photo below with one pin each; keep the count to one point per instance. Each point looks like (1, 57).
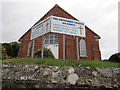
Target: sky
(17, 16)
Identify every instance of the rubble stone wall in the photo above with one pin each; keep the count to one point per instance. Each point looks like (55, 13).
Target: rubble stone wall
(35, 76)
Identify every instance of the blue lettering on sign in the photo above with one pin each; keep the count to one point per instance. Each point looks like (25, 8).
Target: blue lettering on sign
(56, 24)
(82, 23)
(77, 22)
(66, 31)
(55, 18)
(74, 28)
(66, 20)
(65, 26)
(68, 24)
(39, 26)
(46, 20)
(69, 21)
(72, 33)
(57, 27)
(57, 30)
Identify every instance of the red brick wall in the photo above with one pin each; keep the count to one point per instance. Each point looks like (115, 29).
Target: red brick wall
(24, 45)
(92, 46)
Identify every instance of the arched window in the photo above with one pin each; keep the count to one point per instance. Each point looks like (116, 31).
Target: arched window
(83, 52)
(29, 46)
(51, 38)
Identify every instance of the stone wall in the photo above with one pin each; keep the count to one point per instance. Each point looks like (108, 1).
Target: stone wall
(34, 76)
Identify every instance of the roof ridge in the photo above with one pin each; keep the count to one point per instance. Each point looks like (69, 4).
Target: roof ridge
(56, 5)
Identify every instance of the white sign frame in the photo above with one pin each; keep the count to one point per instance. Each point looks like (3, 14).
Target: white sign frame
(67, 26)
(58, 25)
(41, 28)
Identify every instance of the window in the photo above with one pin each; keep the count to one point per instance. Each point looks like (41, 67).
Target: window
(83, 48)
(51, 38)
(29, 46)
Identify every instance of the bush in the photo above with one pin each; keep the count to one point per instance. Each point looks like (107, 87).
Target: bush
(11, 48)
(47, 53)
(4, 54)
(15, 46)
(115, 58)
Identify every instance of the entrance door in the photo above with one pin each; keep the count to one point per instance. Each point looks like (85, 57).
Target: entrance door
(53, 48)
(51, 42)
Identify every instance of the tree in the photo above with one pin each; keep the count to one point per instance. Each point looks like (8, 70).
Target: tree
(15, 46)
(11, 48)
(4, 54)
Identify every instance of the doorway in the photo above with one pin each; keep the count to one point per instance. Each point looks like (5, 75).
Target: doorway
(51, 42)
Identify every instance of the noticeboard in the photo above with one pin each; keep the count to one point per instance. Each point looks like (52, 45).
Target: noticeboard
(58, 25)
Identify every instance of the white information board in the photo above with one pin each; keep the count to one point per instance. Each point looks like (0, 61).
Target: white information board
(67, 26)
(58, 25)
(41, 28)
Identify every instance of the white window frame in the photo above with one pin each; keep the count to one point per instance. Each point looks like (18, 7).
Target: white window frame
(29, 46)
(83, 51)
(51, 37)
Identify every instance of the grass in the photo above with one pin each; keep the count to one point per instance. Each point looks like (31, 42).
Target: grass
(60, 62)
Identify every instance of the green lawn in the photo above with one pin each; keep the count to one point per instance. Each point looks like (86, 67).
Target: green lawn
(60, 62)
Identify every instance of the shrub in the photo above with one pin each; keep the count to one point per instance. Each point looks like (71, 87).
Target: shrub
(4, 54)
(15, 46)
(47, 53)
(11, 48)
(115, 58)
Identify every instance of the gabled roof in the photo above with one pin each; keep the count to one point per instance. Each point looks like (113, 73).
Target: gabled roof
(53, 12)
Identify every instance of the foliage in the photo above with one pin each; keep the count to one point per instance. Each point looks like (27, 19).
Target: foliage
(11, 48)
(115, 58)
(47, 53)
(4, 54)
(60, 62)
(15, 46)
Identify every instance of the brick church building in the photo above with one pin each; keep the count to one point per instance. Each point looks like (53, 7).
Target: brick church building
(87, 47)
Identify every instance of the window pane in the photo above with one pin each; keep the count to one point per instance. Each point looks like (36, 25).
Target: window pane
(82, 47)
(51, 38)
